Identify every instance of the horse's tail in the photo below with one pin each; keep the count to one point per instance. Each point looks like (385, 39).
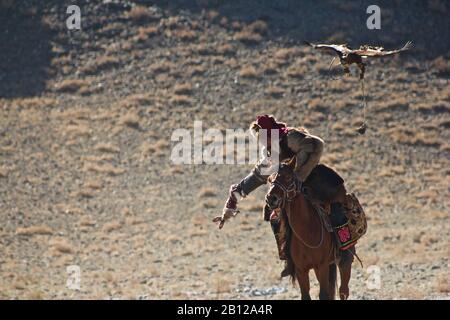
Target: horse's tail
(292, 273)
(332, 280)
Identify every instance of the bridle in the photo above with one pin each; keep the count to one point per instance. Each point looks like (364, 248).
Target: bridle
(289, 194)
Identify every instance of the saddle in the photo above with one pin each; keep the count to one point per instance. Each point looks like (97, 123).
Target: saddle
(322, 187)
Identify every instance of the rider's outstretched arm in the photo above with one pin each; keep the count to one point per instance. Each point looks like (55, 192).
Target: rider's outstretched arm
(251, 182)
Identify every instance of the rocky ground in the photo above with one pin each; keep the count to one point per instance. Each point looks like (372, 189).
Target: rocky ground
(86, 118)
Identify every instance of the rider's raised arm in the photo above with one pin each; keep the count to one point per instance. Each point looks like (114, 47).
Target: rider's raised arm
(308, 149)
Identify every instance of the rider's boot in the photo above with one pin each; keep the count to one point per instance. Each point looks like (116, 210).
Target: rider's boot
(339, 223)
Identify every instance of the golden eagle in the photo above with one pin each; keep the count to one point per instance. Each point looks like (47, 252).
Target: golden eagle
(347, 56)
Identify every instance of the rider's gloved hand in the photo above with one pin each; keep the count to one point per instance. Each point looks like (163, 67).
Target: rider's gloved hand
(230, 210)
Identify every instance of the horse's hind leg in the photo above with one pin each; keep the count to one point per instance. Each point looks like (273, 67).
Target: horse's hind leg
(303, 282)
(345, 270)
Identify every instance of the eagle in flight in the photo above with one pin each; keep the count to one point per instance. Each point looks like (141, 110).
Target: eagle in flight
(348, 56)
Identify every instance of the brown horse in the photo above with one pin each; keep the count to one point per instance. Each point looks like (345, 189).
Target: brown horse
(311, 245)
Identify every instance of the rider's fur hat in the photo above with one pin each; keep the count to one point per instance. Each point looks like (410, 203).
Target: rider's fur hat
(267, 122)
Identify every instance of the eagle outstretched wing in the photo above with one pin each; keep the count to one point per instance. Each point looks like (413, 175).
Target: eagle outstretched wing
(338, 48)
(368, 51)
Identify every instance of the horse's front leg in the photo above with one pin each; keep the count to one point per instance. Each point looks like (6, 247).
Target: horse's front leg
(322, 274)
(303, 282)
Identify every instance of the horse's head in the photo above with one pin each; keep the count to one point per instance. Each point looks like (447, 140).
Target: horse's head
(283, 185)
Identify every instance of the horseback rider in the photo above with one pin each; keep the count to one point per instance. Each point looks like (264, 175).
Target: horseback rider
(307, 149)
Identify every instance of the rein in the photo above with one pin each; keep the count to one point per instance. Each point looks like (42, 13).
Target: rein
(294, 188)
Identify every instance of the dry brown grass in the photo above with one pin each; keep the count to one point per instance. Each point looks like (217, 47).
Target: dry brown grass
(212, 15)
(34, 230)
(202, 49)
(72, 85)
(73, 113)
(68, 209)
(107, 147)
(222, 285)
(160, 147)
(391, 105)
(210, 204)
(258, 26)
(199, 220)
(176, 170)
(172, 22)
(236, 25)
(196, 71)
(4, 172)
(252, 206)
(141, 14)
(181, 100)
(144, 33)
(161, 67)
(105, 168)
(183, 89)
(274, 92)
(437, 107)
(249, 72)
(443, 284)
(99, 64)
(248, 37)
(130, 119)
(111, 226)
(29, 103)
(182, 34)
(207, 192)
(134, 221)
(297, 71)
(137, 100)
(62, 245)
(86, 221)
(101, 158)
(77, 130)
(85, 193)
(285, 54)
(270, 68)
(318, 104)
(35, 295)
(226, 49)
(415, 137)
(146, 149)
(411, 293)
(442, 66)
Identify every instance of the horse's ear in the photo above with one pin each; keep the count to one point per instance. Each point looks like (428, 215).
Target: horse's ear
(292, 162)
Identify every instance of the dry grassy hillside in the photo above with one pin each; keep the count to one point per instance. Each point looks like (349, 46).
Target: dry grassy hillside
(85, 124)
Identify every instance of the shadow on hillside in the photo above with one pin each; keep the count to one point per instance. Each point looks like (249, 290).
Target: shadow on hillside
(426, 23)
(25, 53)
